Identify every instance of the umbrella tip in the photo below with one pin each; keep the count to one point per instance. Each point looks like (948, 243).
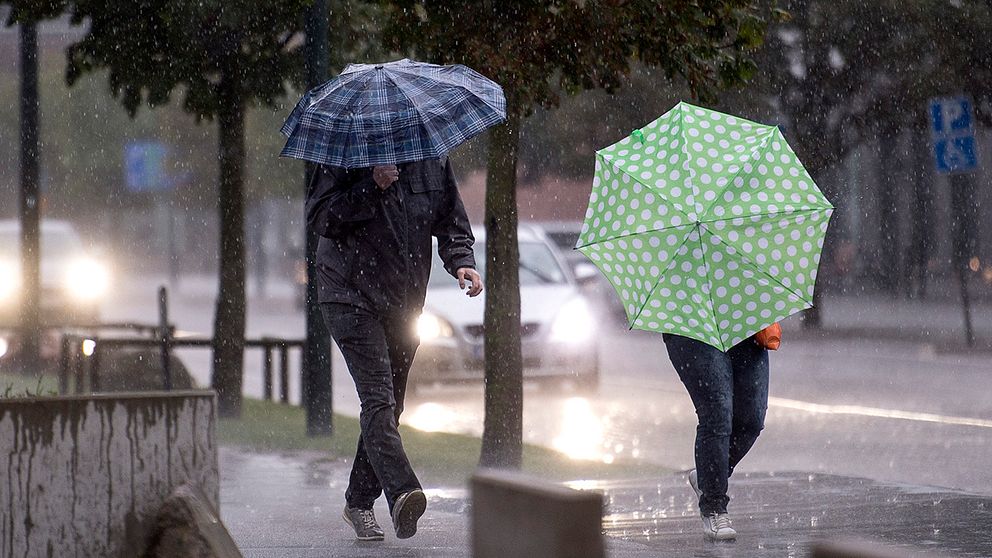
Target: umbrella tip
(638, 135)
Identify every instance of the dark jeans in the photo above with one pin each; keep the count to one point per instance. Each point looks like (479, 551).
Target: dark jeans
(379, 351)
(730, 393)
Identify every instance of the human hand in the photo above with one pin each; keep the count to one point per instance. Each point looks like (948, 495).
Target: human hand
(385, 175)
(467, 275)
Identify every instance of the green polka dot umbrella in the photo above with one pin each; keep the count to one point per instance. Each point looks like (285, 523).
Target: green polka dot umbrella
(707, 225)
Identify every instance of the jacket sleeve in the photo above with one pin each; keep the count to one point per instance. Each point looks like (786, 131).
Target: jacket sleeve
(338, 200)
(452, 227)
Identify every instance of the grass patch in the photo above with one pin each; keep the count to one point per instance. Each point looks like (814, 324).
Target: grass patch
(16, 385)
(439, 458)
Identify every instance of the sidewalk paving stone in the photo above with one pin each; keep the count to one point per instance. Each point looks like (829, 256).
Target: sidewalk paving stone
(289, 506)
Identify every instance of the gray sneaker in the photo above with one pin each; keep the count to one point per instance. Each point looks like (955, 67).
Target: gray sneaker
(364, 523)
(406, 511)
(717, 527)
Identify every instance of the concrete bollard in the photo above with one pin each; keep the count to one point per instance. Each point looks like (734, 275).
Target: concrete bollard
(515, 516)
(862, 549)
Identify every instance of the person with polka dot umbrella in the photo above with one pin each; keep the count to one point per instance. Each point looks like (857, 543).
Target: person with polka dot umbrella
(710, 230)
(707, 225)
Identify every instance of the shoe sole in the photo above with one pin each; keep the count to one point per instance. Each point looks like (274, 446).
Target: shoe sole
(410, 511)
(359, 537)
(720, 538)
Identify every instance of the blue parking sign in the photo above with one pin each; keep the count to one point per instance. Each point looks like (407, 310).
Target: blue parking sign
(955, 154)
(144, 166)
(952, 126)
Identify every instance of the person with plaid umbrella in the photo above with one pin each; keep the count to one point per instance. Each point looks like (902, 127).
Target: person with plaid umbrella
(383, 187)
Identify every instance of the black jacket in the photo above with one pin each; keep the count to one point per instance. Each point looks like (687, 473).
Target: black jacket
(375, 245)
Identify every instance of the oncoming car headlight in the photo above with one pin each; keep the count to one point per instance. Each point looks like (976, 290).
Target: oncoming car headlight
(431, 327)
(10, 280)
(574, 322)
(87, 280)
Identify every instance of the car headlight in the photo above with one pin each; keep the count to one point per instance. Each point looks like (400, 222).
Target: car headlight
(87, 280)
(574, 322)
(430, 326)
(10, 280)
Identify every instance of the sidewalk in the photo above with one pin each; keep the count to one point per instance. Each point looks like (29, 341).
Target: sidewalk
(939, 323)
(289, 506)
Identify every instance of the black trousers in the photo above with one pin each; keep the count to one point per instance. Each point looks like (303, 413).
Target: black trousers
(379, 351)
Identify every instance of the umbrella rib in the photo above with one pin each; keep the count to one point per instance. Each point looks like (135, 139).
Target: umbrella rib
(413, 106)
(755, 155)
(758, 270)
(628, 235)
(341, 84)
(655, 191)
(454, 83)
(675, 253)
(706, 262)
(797, 211)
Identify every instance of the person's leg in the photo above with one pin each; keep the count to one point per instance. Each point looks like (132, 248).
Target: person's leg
(380, 462)
(407, 508)
(401, 335)
(750, 364)
(706, 373)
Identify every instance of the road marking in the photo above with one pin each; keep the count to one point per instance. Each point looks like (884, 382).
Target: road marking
(876, 412)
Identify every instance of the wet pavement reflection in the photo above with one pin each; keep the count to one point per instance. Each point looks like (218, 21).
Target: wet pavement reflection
(289, 506)
(784, 514)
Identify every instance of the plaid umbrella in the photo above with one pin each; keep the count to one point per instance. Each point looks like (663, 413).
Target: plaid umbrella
(384, 114)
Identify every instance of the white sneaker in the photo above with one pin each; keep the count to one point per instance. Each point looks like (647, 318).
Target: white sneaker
(717, 527)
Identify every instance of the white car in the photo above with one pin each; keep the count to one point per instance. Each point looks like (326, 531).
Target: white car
(557, 330)
(73, 283)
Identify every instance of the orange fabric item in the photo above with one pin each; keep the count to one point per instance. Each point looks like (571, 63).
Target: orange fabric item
(770, 337)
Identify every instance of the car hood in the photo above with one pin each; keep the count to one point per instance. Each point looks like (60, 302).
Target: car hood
(538, 304)
(53, 273)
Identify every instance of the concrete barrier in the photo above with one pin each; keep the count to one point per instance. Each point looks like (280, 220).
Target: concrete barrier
(863, 549)
(86, 475)
(514, 516)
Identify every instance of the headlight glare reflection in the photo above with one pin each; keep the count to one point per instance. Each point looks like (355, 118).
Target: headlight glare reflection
(574, 323)
(10, 280)
(87, 280)
(430, 327)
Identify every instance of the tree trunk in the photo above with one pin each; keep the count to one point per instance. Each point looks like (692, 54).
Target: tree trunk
(229, 319)
(502, 436)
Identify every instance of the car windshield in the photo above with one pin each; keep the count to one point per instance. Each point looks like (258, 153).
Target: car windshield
(56, 244)
(538, 266)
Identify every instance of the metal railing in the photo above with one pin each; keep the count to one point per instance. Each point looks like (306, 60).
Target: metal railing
(83, 349)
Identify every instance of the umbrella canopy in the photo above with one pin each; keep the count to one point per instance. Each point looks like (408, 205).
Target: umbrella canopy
(384, 114)
(707, 225)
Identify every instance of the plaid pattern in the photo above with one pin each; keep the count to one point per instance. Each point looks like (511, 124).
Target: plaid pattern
(385, 114)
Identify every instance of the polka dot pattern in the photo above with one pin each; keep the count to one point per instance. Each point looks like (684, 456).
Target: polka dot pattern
(635, 265)
(786, 249)
(707, 227)
(620, 206)
(680, 303)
